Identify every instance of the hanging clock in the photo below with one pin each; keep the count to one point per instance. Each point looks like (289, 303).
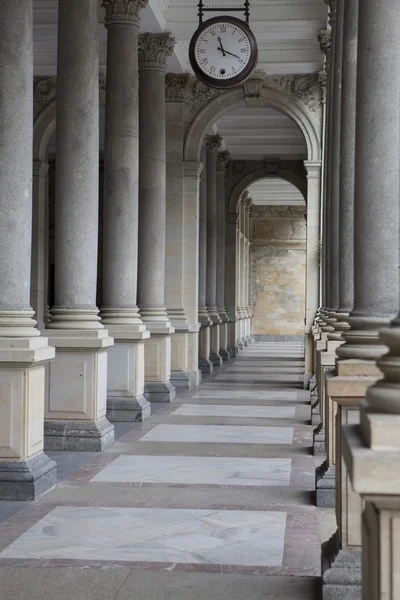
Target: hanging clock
(223, 52)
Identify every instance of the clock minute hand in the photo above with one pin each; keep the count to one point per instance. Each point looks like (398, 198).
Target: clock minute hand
(235, 55)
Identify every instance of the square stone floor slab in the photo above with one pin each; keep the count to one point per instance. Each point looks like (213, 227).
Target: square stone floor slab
(197, 470)
(226, 537)
(233, 434)
(226, 410)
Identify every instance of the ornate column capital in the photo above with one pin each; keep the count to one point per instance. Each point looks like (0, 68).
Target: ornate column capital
(213, 143)
(222, 161)
(247, 203)
(176, 87)
(122, 10)
(325, 43)
(154, 49)
(332, 10)
(244, 197)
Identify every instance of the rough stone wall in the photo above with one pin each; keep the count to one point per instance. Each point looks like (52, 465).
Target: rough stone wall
(278, 269)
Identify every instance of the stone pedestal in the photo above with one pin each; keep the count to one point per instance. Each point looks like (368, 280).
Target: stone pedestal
(77, 379)
(25, 471)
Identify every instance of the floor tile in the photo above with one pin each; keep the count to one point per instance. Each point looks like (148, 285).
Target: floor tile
(197, 470)
(225, 410)
(245, 394)
(226, 537)
(220, 434)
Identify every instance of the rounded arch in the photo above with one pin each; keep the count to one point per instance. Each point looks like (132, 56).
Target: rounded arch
(43, 129)
(270, 98)
(249, 178)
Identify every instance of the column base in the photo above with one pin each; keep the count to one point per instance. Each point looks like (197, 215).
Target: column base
(224, 354)
(159, 391)
(325, 486)
(319, 441)
(216, 359)
(240, 345)
(196, 377)
(205, 365)
(181, 380)
(341, 579)
(27, 480)
(78, 436)
(127, 409)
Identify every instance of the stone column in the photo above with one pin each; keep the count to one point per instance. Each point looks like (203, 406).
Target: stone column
(248, 329)
(39, 261)
(181, 270)
(213, 142)
(231, 281)
(125, 389)
(222, 161)
(154, 49)
(77, 390)
(205, 364)
(372, 449)
(25, 471)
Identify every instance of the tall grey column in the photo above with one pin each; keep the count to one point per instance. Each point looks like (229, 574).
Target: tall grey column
(347, 157)
(75, 322)
(25, 471)
(372, 450)
(213, 143)
(376, 191)
(125, 399)
(154, 49)
(222, 161)
(333, 176)
(205, 364)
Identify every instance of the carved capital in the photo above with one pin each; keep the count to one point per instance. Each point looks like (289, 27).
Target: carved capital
(176, 87)
(213, 143)
(154, 49)
(325, 43)
(123, 10)
(222, 161)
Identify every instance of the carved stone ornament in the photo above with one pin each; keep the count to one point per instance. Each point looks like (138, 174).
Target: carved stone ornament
(302, 87)
(322, 79)
(325, 43)
(176, 87)
(154, 49)
(253, 88)
(332, 9)
(44, 92)
(222, 160)
(123, 10)
(213, 143)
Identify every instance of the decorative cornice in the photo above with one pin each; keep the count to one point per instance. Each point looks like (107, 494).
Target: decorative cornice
(154, 49)
(213, 143)
(123, 10)
(222, 161)
(325, 43)
(176, 87)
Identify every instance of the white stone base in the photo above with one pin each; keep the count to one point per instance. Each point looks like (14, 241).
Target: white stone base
(76, 391)
(215, 344)
(157, 372)
(125, 381)
(25, 471)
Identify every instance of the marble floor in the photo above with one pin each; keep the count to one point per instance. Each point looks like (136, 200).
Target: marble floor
(211, 498)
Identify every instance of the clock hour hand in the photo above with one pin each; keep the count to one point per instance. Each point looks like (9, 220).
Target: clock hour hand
(220, 47)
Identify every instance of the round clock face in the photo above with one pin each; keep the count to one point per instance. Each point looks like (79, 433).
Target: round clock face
(223, 52)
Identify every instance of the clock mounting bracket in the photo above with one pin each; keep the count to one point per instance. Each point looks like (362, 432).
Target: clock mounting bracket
(245, 9)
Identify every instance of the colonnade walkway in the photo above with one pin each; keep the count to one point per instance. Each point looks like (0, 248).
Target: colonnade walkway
(211, 498)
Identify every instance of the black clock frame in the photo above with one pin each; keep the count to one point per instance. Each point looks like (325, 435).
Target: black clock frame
(232, 82)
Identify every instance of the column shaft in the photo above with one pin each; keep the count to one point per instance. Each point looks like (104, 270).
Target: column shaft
(222, 161)
(154, 49)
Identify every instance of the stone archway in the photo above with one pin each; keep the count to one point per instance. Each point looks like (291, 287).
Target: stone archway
(269, 98)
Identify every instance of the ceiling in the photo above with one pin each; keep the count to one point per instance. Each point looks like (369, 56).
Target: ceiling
(286, 32)
(275, 191)
(261, 133)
